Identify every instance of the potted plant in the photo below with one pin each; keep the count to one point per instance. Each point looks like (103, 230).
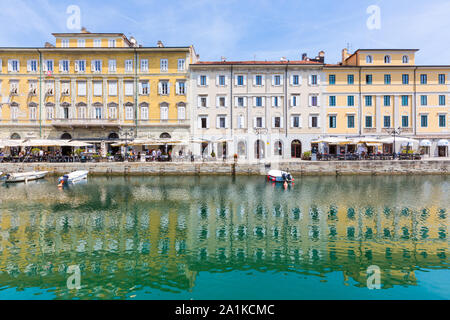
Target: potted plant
(213, 154)
(96, 157)
(306, 155)
(235, 156)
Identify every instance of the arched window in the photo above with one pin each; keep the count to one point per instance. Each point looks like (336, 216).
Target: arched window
(66, 136)
(296, 149)
(369, 59)
(259, 149)
(181, 111)
(113, 136)
(241, 148)
(164, 111)
(165, 135)
(278, 148)
(387, 59)
(15, 136)
(405, 59)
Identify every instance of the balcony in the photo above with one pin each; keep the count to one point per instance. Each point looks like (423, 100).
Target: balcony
(85, 122)
(165, 122)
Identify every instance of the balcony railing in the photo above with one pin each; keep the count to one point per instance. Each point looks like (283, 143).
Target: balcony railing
(84, 122)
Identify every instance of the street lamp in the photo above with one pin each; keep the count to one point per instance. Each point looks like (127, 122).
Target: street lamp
(394, 132)
(126, 133)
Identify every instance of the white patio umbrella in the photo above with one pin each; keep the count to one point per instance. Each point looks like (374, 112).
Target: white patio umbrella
(398, 139)
(425, 143)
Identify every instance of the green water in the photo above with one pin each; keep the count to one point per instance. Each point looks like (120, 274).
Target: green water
(224, 238)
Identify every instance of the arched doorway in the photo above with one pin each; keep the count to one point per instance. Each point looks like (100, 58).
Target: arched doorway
(278, 148)
(66, 151)
(296, 149)
(111, 149)
(15, 150)
(259, 149)
(15, 136)
(204, 149)
(241, 148)
(222, 149)
(166, 148)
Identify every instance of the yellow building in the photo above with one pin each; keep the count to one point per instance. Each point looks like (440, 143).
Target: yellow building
(373, 91)
(94, 87)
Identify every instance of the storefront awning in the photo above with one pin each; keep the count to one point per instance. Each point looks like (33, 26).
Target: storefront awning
(425, 143)
(443, 143)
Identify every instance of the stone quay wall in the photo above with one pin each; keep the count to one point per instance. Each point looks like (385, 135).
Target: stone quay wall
(374, 167)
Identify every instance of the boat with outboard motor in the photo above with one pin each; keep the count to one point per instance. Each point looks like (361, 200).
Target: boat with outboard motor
(73, 177)
(25, 176)
(279, 176)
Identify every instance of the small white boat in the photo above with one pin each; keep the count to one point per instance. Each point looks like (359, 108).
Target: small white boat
(73, 177)
(279, 176)
(25, 176)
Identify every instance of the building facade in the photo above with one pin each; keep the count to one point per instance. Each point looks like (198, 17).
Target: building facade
(97, 87)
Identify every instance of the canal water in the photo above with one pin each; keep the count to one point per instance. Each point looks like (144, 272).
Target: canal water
(225, 238)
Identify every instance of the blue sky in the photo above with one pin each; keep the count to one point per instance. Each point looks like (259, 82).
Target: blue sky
(246, 29)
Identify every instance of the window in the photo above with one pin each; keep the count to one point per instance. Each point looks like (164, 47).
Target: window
(32, 66)
(203, 80)
(97, 88)
(164, 65)
(278, 148)
(180, 64)
(64, 66)
(295, 100)
(144, 88)
(144, 65)
(387, 79)
(277, 122)
(81, 88)
(387, 121)
(240, 102)
(276, 80)
(96, 65)
(181, 112)
(295, 80)
(314, 80)
(275, 101)
(405, 59)
(48, 65)
(241, 121)
(203, 101)
(350, 101)
(387, 101)
(368, 101)
(368, 79)
(81, 112)
(314, 121)
(33, 87)
(13, 66)
(442, 100)
(369, 59)
(258, 102)
(98, 113)
(350, 121)
(423, 79)
(14, 113)
(112, 112)
(203, 122)
(221, 80)
(112, 43)
(258, 122)
(332, 121)
(442, 120)
(441, 79)
(332, 101)
(64, 43)
(368, 121)
(81, 43)
(240, 80)
(144, 113)
(164, 112)
(112, 65)
(66, 113)
(97, 43)
(295, 121)
(220, 101)
(128, 65)
(332, 79)
(49, 86)
(14, 87)
(163, 88)
(112, 88)
(33, 113)
(65, 88)
(387, 59)
(424, 120)
(128, 113)
(405, 121)
(129, 88)
(423, 100)
(258, 80)
(80, 65)
(221, 122)
(314, 100)
(405, 78)
(181, 87)
(404, 101)
(49, 113)
(350, 79)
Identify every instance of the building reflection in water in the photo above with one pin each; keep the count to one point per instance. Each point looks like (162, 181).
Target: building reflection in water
(158, 233)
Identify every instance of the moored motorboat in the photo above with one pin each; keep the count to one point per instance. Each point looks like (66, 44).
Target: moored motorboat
(73, 177)
(279, 176)
(25, 176)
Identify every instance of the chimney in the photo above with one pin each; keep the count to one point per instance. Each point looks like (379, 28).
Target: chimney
(49, 45)
(84, 30)
(345, 54)
(304, 55)
(321, 56)
(160, 44)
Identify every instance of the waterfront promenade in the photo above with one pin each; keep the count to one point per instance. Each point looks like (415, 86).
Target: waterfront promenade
(297, 167)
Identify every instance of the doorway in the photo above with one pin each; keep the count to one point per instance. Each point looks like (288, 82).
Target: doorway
(296, 149)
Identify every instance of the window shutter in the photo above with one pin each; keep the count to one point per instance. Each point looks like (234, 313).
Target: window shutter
(9, 66)
(254, 122)
(168, 87)
(217, 80)
(44, 65)
(207, 123)
(245, 101)
(177, 87)
(291, 79)
(263, 101)
(140, 87)
(1, 65)
(226, 101)
(254, 80)
(207, 102)
(318, 101)
(318, 121)
(76, 65)
(281, 122)
(273, 122)
(310, 100)
(263, 122)
(273, 79)
(310, 122)
(309, 79)
(245, 80)
(92, 65)
(291, 101)
(226, 80)
(292, 121)
(159, 88)
(199, 123)
(217, 101)
(235, 101)
(281, 79)
(318, 79)
(299, 79)
(217, 122)
(207, 80)
(29, 65)
(254, 101)
(262, 79)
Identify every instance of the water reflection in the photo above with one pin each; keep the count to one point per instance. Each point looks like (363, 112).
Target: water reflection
(159, 233)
